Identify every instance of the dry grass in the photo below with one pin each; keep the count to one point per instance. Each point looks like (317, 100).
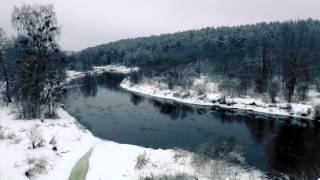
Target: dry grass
(38, 165)
(176, 176)
(142, 160)
(36, 137)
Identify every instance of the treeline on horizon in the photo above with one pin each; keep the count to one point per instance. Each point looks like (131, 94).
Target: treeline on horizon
(264, 56)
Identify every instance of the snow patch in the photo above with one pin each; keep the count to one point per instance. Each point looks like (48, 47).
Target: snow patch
(211, 97)
(96, 70)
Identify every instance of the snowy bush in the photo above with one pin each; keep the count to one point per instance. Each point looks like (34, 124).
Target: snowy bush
(53, 141)
(11, 135)
(317, 112)
(200, 88)
(303, 90)
(273, 90)
(176, 176)
(220, 150)
(222, 100)
(142, 160)
(36, 137)
(37, 166)
(2, 133)
(178, 154)
(230, 86)
(135, 77)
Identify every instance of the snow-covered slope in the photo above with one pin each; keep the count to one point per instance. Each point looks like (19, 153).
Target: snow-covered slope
(16, 152)
(214, 98)
(64, 141)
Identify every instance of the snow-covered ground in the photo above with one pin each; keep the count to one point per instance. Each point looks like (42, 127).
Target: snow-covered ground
(96, 70)
(119, 161)
(116, 68)
(63, 141)
(17, 155)
(212, 97)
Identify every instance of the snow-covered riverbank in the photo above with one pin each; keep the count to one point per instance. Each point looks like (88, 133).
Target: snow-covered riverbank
(247, 104)
(96, 70)
(63, 141)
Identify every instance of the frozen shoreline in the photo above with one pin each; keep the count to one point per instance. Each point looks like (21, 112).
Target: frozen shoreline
(109, 160)
(73, 141)
(248, 105)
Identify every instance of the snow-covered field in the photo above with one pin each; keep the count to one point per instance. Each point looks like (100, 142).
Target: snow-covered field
(64, 141)
(212, 97)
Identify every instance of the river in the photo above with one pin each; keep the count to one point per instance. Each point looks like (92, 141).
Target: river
(271, 145)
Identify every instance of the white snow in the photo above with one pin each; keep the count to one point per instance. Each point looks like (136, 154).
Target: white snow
(109, 160)
(71, 75)
(72, 143)
(212, 95)
(96, 70)
(116, 68)
(118, 161)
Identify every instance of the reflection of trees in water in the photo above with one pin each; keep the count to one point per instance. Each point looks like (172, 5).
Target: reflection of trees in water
(295, 151)
(259, 128)
(135, 99)
(175, 111)
(110, 81)
(89, 86)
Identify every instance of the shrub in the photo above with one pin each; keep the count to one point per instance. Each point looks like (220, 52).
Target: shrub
(2, 133)
(230, 86)
(38, 166)
(273, 90)
(142, 160)
(225, 150)
(200, 88)
(11, 136)
(178, 154)
(176, 176)
(53, 141)
(36, 137)
(135, 77)
(303, 90)
(317, 112)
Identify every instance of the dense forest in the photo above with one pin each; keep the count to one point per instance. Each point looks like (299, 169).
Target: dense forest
(265, 57)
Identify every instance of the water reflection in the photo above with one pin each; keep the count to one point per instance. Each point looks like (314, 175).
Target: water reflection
(295, 150)
(173, 110)
(268, 144)
(135, 99)
(89, 86)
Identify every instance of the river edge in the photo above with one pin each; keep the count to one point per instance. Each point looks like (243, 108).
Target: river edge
(72, 141)
(291, 111)
(64, 141)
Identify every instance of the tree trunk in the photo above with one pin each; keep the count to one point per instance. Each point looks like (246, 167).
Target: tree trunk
(5, 75)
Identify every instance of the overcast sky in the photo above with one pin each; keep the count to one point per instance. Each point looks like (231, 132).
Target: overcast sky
(88, 23)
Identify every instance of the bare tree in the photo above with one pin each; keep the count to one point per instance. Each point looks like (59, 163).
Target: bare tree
(4, 71)
(39, 66)
(273, 89)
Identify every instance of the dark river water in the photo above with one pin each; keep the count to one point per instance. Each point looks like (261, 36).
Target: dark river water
(271, 145)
